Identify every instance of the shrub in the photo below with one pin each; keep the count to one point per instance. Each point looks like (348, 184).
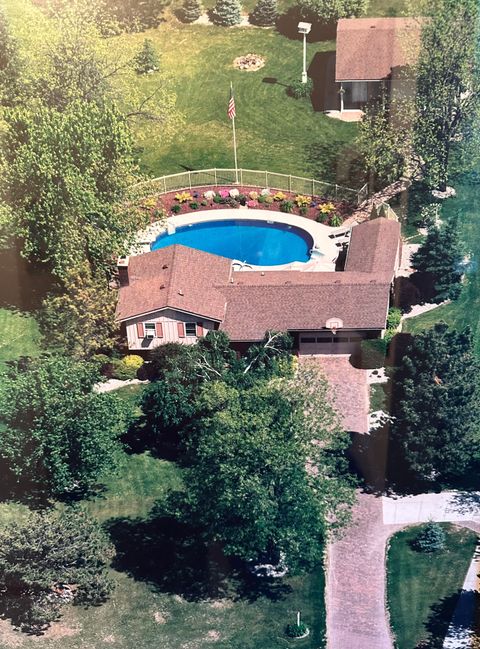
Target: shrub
(328, 12)
(336, 220)
(394, 318)
(265, 13)
(126, 368)
(146, 61)
(227, 13)
(193, 205)
(268, 200)
(321, 217)
(286, 206)
(232, 202)
(430, 539)
(279, 196)
(296, 630)
(183, 197)
(191, 11)
(297, 89)
(204, 203)
(176, 209)
(303, 210)
(262, 199)
(301, 200)
(372, 354)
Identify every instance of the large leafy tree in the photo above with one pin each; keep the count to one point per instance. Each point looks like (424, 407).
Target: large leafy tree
(265, 469)
(329, 11)
(10, 65)
(448, 86)
(439, 260)
(65, 174)
(57, 435)
(78, 317)
(43, 552)
(435, 402)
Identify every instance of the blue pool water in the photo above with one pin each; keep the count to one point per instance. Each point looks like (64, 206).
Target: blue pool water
(255, 242)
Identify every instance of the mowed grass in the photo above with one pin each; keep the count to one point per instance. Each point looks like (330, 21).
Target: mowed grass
(19, 335)
(422, 589)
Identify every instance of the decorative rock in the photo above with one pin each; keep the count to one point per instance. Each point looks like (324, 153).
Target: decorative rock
(249, 62)
(448, 193)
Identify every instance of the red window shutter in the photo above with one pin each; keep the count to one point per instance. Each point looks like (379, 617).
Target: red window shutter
(199, 329)
(140, 330)
(159, 330)
(181, 329)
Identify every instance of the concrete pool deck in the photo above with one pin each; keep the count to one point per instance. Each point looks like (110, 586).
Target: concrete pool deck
(324, 248)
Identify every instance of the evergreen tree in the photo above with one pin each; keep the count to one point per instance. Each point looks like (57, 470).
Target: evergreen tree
(440, 260)
(435, 398)
(227, 13)
(265, 13)
(147, 60)
(431, 538)
(192, 10)
(44, 551)
(9, 65)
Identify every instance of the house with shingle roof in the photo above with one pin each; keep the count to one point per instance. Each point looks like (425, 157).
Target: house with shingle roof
(372, 53)
(178, 294)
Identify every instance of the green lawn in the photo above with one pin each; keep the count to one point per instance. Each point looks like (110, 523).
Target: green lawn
(423, 589)
(19, 335)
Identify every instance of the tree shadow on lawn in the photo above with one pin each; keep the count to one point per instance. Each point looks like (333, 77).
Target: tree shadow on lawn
(442, 613)
(24, 286)
(171, 558)
(287, 25)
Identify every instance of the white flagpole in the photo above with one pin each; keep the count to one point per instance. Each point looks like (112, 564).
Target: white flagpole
(234, 137)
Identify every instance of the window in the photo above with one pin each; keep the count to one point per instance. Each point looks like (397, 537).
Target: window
(149, 330)
(190, 329)
(307, 340)
(324, 339)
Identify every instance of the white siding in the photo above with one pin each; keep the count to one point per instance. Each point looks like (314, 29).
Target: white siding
(169, 319)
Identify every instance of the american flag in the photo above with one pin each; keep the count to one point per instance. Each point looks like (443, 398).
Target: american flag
(231, 105)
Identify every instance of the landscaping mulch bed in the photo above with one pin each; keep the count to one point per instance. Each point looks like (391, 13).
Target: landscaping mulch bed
(163, 203)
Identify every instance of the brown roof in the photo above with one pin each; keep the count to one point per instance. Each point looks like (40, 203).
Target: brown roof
(373, 247)
(253, 308)
(370, 48)
(175, 277)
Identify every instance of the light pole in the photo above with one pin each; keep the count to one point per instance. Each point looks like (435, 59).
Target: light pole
(304, 28)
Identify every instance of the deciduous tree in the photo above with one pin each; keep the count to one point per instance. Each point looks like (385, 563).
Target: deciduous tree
(50, 558)
(326, 11)
(57, 435)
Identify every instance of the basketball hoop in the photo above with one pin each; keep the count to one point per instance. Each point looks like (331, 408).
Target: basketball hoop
(334, 324)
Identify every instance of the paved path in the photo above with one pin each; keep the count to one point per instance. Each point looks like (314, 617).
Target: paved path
(350, 389)
(115, 384)
(355, 593)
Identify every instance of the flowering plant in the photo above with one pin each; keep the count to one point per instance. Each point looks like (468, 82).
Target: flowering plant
(265, 192)
(326, 208)
(149, 202)
(209, 194)
(279, 196)
(253, 195)
(224, 193)
(183, 197)
(302, 201)
(234, 193)
(269, 199)
(252, 203)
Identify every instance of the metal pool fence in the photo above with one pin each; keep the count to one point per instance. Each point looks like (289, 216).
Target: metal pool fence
(247, 178)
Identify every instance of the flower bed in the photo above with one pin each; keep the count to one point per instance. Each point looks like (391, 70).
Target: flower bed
(318, 208)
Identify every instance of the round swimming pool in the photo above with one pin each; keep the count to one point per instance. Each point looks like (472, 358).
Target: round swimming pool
(259, 243)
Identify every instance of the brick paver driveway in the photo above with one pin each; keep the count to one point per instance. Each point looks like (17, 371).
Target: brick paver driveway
(350, 389)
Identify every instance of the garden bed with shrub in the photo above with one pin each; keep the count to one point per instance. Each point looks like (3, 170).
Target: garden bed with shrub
(316, 208)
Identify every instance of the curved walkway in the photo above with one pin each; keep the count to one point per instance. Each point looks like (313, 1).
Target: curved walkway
(355, 593)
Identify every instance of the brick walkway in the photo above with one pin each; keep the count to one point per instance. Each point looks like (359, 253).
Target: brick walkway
(350, 389)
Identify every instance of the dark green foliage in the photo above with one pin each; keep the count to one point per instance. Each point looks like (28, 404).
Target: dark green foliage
(296, 630)
(147, 60)
(64, 174)
(191, 10)
(227, 13)
(440, 259)
(298, 89)
(136, 15)
(249, 486)
(394, 318)
(431, 538)
(57, 436)
(435, 398)
(265, 13)
(326, 11)
(43, 552)
(10, 65)
(448, 87)
(286, 206)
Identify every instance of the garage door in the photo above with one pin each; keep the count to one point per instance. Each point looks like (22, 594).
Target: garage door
(312, 343)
